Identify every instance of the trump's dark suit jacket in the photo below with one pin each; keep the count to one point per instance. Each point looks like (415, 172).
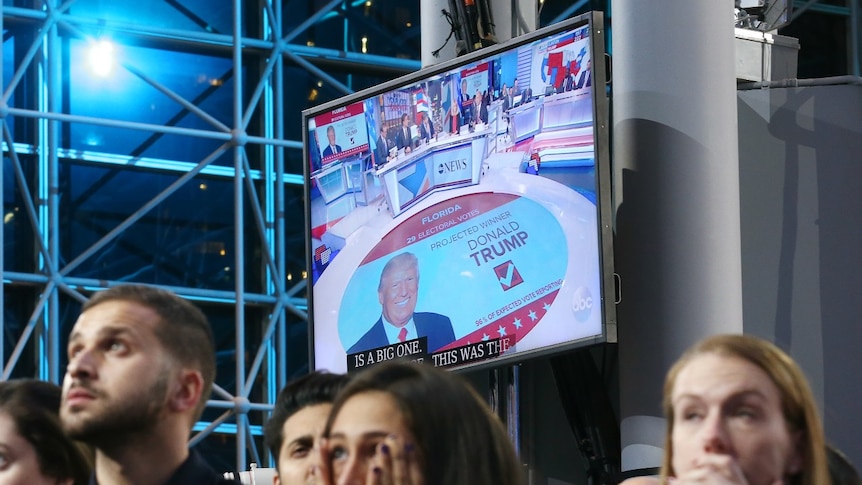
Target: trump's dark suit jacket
(436, 327)
(328, 150)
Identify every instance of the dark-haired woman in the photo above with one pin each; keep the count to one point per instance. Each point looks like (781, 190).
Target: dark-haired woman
(34, 449)
(412, 424)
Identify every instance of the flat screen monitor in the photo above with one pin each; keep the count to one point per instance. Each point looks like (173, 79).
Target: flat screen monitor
(460, 215)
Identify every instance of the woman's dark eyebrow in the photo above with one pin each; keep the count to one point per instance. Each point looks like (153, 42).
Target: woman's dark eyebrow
(306, 439)
(367, 434)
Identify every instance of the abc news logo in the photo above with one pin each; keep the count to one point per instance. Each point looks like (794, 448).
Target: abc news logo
(452, 166)
(582, 304)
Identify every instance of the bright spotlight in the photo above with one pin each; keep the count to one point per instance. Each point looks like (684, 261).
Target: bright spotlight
(101, 58)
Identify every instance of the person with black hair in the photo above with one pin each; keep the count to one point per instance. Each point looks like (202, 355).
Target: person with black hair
(381, 150)
(294, 429)
(141, 366)
(33, 446)
(405, 423)
(480, 108)
(403, 136)
(585, 77)
(426, 128)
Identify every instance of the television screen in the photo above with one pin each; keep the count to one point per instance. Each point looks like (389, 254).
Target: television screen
(460, 215)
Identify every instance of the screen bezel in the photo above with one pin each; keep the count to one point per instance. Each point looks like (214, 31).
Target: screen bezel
(595, 21)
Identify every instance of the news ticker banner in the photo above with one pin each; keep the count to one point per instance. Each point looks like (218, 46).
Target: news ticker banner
(351, 131)
(416, 350)
(492, 262)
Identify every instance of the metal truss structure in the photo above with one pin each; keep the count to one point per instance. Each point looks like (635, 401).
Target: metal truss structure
(240, 145)
(247, 151)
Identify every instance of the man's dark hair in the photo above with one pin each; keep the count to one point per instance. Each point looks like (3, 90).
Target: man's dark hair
(183, 328)
(316, 388)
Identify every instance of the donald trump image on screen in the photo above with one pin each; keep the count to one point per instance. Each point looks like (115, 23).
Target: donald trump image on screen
(397, 292)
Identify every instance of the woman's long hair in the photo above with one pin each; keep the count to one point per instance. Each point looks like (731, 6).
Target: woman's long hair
(34, 407)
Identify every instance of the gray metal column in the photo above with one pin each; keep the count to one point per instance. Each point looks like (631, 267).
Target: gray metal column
(511, 19)
(677, 195)
(435, 29)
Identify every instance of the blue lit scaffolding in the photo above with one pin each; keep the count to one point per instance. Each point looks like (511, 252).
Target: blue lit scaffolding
(245, 155)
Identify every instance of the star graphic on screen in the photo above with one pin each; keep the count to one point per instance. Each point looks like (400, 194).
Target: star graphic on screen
(501, 330)
(533, 316)
(517, 323)
(485, 337)
(546, 307)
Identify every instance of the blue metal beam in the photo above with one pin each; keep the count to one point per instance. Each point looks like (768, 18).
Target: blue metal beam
(816, 6)
(219, 40)
(569, 11)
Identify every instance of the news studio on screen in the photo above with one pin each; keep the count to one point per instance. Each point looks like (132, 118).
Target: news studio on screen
(460, 215)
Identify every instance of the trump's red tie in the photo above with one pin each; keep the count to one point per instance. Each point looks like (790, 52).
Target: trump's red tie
(402, 335)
